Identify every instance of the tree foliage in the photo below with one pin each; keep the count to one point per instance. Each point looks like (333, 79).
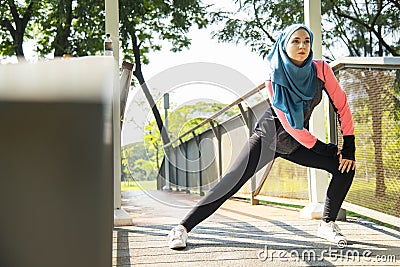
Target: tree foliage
(57, 27)
(256, 22)
(71, 27)
(366, 28)
(182, 120)
(144, 24)
(14, 20)
(77, 27)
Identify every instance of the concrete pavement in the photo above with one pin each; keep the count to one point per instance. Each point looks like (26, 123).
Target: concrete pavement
(239, 234)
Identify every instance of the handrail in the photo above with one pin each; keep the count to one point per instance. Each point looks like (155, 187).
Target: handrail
(217, 114)
(365, 62)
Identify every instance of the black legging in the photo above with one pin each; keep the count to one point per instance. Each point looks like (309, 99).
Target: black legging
(255, 155)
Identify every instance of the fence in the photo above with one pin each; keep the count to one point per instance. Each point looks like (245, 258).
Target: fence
(372, 87)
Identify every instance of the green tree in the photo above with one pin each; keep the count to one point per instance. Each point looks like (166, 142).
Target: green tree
(133, 157)
(14, 19)
(256, 21)
(364, 27)
(367, 28)
(57, 26)
(146, 167)
(70, 27)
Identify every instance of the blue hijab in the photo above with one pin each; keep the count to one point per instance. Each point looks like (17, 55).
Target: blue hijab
(292, 85)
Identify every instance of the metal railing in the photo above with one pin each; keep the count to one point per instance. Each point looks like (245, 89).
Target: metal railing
(197, 164)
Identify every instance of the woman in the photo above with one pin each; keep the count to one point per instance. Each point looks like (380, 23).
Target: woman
(295, 88)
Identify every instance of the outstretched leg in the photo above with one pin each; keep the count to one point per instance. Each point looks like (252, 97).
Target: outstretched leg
(257, 152)
(253, 157)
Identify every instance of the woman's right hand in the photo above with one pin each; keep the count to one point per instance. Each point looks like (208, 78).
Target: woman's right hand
(345, 165)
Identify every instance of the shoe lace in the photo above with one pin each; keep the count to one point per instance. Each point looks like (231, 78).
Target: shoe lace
(335, 228)
(176, 234)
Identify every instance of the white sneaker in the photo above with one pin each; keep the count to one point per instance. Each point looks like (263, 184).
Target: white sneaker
(177, 238)
(331, 232)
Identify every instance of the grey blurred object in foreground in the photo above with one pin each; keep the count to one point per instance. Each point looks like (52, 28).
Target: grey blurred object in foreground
(56, 180)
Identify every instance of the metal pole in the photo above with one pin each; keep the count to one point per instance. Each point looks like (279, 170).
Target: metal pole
(186, 145)
(217, 133)
(197, 138)
(200, 168)
(253, 179)
(176, 167)
(317, 179)
(112, 27)
(166, 149)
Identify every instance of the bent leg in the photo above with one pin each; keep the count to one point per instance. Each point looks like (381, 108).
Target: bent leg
(339, 184)
(252, 158)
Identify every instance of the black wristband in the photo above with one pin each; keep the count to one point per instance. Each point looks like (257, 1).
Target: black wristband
(328, 150)
(349, 147)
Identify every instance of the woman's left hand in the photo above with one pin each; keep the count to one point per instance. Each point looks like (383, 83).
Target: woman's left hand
(345, 165)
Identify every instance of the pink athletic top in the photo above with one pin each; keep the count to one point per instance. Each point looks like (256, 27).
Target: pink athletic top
(338, 98)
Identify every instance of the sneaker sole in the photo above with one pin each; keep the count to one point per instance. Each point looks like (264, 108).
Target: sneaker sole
(340, 243)
(173, 245)
(177, 246)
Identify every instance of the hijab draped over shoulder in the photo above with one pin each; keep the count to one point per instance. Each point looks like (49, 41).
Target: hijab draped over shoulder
(292, 85)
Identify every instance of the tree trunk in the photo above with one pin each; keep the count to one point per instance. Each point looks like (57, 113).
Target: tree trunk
(18, 41)
(380, 188)
(157, 159)
(20, 23)
(380, 47)
(139, 76)
(375, 100)
(163, 131)
(63, 31)
(156, 112)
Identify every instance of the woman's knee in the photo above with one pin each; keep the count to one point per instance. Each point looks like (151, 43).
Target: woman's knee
(348, 174)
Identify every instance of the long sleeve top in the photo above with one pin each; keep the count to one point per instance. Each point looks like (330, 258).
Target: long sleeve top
(285, 133)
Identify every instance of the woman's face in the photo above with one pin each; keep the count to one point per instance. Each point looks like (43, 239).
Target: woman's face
(298, 46)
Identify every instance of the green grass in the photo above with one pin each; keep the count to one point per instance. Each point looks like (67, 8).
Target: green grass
(280, 204)
(359, 216)
(139, 185)
(363, 193)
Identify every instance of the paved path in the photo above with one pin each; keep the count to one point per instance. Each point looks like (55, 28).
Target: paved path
(242, 235)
